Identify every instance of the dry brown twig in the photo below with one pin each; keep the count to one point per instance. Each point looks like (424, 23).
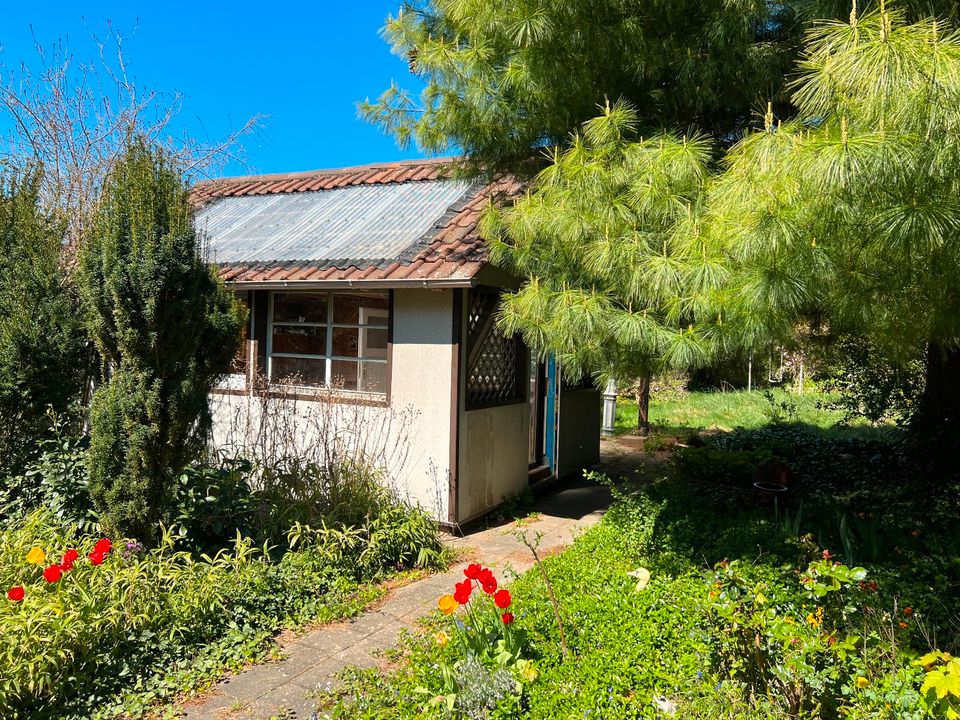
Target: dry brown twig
(532, 547)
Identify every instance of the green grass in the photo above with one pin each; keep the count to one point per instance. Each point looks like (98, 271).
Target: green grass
(716, 410)
(628, 646)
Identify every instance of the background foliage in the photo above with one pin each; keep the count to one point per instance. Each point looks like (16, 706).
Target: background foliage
(43, 354)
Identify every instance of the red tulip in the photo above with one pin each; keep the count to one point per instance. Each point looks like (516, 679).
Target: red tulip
(507, 618)
(96, 558)
(70, 557)
(103, 546)
(473, 570)
(462, 592)
(487, 581)
(52, 573)
(15, 594)
(502, 599)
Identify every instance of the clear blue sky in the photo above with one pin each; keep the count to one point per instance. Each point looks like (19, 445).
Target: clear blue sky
(304, 64)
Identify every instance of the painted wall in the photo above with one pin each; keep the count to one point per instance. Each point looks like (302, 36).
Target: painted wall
(578, 434)
(410, 438)
(494, 449)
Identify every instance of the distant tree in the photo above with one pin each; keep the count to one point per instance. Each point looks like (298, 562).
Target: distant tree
(166, 329)
(597, 240)
(43, 355)
(850, 211)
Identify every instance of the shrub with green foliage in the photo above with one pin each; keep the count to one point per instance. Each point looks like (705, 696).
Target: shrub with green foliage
(110, 640)
(166, 329)
(43, 354)
(872, 384)
(56, 480)
(776, 631)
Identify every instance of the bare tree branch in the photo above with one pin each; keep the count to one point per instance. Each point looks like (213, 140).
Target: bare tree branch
(75, 118)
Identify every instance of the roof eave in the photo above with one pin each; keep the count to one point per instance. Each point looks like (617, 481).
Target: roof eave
(381, 284)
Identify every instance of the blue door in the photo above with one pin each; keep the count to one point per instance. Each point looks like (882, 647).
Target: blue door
(551, 402)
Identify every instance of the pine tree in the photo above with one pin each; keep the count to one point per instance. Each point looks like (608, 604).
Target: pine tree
(850, 211)
(505, 78)
(597, 240)
(166, 329)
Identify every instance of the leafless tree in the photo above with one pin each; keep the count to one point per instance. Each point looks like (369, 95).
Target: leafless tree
(75, 117)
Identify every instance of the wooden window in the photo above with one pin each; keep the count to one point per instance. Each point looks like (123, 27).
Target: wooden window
(329, 339)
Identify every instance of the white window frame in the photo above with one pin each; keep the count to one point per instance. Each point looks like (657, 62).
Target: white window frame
(330, 326)
(364, 315)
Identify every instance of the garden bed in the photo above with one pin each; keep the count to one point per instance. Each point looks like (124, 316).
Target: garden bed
(85, 634)
(749, 612)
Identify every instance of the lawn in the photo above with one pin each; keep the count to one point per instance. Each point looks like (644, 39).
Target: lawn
(717, 410)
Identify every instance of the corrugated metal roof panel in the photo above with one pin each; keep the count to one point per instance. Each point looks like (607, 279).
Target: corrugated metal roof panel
(356, 225)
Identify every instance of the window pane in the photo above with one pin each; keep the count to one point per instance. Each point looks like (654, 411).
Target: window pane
(374, 342)
(299, 308)
(307, 340)
(298, 371)
(373, 377)
(345, 374)
(346, 308)
(346, 341)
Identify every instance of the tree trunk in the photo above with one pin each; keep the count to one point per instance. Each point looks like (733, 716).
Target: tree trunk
(643, 404)
(935, 427)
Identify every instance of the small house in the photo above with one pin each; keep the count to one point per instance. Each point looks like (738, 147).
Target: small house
(370, 288)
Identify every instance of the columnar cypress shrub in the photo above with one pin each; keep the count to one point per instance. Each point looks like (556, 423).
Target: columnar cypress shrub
(42, 339)
(166, 329)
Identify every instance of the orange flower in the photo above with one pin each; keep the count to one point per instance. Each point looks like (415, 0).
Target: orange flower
(447, 604)
(903, 625)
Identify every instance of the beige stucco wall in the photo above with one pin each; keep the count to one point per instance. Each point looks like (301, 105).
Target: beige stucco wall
(422, 379)
(410, 438)
(494, 449)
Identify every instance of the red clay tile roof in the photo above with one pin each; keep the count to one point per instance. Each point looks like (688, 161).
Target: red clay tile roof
(455, 249)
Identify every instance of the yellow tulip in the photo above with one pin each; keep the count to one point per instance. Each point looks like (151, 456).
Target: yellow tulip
(36, 556)
(447, 604)
(441, 638)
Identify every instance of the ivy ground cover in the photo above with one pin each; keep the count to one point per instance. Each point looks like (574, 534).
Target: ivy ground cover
(673, 607)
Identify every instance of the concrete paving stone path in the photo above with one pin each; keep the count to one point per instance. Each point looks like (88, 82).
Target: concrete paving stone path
(284, 688)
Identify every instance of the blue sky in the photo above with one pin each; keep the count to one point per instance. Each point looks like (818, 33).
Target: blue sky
(303, 64)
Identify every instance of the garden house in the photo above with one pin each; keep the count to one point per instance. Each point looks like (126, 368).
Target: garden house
(369, 287)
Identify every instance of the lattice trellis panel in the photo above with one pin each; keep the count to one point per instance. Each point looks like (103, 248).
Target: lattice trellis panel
(494, 360)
